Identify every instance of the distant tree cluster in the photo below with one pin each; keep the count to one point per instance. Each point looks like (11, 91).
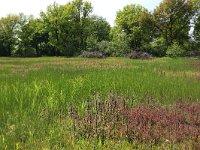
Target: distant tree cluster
(172, 29)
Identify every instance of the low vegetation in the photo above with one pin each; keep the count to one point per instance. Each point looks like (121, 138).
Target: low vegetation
(118, 103)
(118, 119)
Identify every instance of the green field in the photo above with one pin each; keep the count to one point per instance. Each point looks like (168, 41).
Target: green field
(34, 92)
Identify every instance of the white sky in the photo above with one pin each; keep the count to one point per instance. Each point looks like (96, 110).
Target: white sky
(104, 8)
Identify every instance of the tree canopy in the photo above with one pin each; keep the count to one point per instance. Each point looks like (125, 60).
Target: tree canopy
(135, 21)
(67, 30)
(172, 19)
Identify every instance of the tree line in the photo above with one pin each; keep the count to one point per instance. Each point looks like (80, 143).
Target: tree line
(172, 29)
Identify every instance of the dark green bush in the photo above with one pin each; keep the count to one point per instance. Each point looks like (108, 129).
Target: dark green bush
(25, 52)
(158, 47)
(104, 46)
(191, 49)
(92, 44)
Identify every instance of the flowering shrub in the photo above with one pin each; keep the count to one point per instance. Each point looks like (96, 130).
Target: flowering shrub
(115, 119)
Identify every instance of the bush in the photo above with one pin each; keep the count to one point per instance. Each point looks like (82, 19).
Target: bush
(192, 49)
(120, 43)
(139, 55)
(158, 47)
(104, 46)
(175, 50)
(26, 52)
(119, 48)
(92, 44)
(148, 123)
(94, 54)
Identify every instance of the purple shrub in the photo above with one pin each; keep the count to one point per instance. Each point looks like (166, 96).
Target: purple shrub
(114, 119)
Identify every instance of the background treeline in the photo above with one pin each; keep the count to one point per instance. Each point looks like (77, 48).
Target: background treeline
(172, 29)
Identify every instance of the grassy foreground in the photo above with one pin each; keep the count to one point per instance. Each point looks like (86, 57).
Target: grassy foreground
(35, 94)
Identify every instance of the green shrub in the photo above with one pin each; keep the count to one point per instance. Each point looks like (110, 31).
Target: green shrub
(191, 49)
(92, 44)
(119, 47)
(25, 52)
(104, 46)
(175, 50)
(120, 42)
(158, 47)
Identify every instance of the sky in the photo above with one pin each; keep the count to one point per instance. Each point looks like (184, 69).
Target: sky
(104, 8)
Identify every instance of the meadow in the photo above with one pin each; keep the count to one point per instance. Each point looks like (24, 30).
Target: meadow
(37, 93)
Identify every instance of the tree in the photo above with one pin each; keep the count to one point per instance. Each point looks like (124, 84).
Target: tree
(99, 28)
(51, 23)
(175, 50)
(197, 36)
(196, 6)
(33, 38)
(8, 34)
(197, 30)
(136, 22)
(82, 17)
(119, 45)
(172, 19)
(67, 26)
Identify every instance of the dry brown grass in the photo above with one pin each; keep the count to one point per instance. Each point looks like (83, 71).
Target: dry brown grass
(188, 74)
(21, 69)
(7, 60)
(62, 64)
(85, 64)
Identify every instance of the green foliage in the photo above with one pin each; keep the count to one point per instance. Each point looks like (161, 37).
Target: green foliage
(99, 34)
(99, 28)
(175, 50)
(32, 35)
(197, 30)
(72, 28)
(136, 22)
(172, 20)
(158, 47)
(26, 52)
(8, 30)
(191, 48)
(104, 46)
(119, 45)
(67, 26)
(92, 44)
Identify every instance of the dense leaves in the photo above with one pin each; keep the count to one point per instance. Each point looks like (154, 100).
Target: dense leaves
(197, 30)
(8, 30)
(135, 21)
(172, 19)
(68, 30)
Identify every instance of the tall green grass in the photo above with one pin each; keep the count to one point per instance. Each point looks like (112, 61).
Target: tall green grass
(33, 92)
